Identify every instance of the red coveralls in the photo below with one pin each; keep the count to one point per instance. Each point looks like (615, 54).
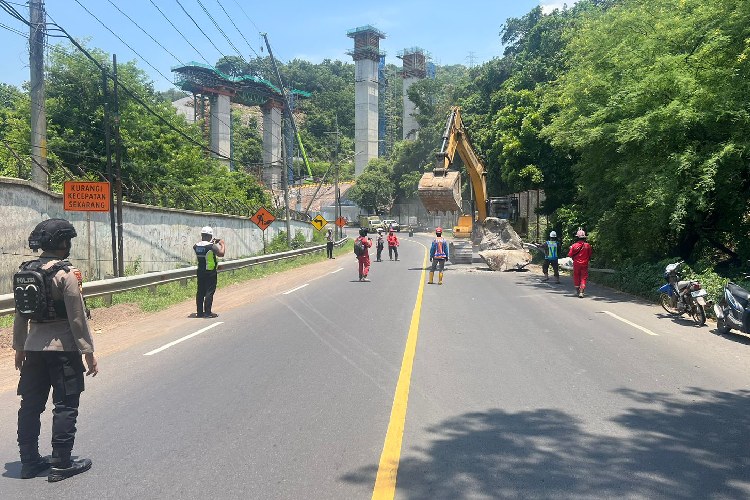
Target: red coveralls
(364, 259)
(580, 251)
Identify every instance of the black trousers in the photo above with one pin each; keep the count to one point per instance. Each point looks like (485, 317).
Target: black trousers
(391, 251)
(329, 249)
(380, 251)
(204, 298)
(555, 267)
(61, 371)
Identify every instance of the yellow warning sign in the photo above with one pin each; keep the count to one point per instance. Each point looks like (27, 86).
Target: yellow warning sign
(319, 222)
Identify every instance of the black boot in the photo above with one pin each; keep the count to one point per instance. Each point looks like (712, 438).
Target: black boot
(31, 463)
(62, 467)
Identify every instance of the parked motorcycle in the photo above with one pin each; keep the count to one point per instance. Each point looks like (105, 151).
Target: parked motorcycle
(682, 296)
(733, 310)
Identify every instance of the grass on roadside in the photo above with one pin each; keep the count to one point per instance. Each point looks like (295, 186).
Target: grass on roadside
(174, 293)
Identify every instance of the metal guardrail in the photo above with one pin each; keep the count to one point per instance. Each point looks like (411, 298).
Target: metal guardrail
(111, 286)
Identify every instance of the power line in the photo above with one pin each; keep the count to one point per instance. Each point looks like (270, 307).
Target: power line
(124, 42)
(216, 25)
(180, 32)
(199, 28)
(138, 99)
(146, 32)
(238, 30)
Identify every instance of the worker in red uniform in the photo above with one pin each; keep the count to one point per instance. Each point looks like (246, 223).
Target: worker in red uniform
(364, 258)
(392, 244)
(580, 252)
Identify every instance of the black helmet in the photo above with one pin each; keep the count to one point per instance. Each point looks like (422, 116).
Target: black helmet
(49, 234)
(363, 232)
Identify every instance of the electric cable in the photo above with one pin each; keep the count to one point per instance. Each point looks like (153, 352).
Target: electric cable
(216, 25)
(180, 32)
(123, 41)
(146, 32)
(238, 30)
(199, 28)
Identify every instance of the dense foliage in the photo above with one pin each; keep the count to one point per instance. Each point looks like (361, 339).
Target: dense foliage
(632, 115)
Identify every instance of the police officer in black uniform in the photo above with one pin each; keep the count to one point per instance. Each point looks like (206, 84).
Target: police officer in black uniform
(48, 354)
(207, 251)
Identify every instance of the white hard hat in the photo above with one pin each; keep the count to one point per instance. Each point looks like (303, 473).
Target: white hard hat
(207, 230)
(552, 234)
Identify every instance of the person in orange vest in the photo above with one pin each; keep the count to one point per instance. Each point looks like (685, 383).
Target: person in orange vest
(392, 245)
(580, 252)
(438, 256)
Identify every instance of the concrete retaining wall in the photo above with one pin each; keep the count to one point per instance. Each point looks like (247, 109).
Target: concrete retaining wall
(155, 238)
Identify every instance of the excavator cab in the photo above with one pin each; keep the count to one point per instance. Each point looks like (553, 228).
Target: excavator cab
(440, 190)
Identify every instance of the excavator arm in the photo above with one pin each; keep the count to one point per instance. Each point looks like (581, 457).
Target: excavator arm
(440, 191)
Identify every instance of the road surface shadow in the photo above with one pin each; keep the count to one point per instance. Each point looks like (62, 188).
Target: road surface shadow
(689, 445)
(594, 291)
(733, 335)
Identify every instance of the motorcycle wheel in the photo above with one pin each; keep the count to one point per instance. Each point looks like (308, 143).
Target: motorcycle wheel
(699, 315)
(667, 303)
(722, 327)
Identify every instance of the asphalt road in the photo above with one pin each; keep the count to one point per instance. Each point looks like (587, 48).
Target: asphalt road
(494, 385)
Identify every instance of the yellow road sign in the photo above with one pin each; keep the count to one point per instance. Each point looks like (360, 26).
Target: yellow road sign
(319, 222)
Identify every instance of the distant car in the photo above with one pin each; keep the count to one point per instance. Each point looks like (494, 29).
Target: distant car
(392, 224)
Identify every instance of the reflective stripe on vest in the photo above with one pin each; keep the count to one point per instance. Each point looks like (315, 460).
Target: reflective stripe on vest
(439, 250)
(552, 250)
(207, 260)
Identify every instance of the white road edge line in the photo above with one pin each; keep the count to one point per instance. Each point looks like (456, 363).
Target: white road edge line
(295, 289)
(337, 270)
(639, 327)
(167, 346)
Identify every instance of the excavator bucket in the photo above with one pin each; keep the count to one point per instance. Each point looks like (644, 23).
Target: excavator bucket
(440, 192)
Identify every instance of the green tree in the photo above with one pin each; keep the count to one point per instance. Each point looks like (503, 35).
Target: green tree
(654, 108)
(374, 189)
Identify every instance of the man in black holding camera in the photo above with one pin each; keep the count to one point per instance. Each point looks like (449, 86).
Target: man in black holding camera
(208, 250)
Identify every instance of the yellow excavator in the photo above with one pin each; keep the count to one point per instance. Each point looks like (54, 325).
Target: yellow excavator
(440, 190)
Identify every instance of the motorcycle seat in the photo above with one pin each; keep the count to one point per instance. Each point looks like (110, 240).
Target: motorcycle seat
(742, 295)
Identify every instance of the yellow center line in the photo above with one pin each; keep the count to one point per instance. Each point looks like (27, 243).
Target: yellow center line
(385, 481)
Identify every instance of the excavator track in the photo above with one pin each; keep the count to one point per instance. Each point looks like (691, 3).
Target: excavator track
(461, 251)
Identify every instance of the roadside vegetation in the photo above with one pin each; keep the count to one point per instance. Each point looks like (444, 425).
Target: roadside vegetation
(174, 293)
(632, 115)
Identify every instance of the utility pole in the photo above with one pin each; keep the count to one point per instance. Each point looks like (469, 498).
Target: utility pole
(289, 147)
(39, 171)
(110, 176)
(118, 173)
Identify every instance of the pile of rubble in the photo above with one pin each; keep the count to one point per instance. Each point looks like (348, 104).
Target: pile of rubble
(501, 247)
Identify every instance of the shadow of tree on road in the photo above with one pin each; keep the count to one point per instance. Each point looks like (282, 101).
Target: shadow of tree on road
(692, 445)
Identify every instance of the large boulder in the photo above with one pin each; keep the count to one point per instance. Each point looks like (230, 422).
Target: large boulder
(498, 234)
(506, 260)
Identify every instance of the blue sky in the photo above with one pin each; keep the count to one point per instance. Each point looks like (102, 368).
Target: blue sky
(310, 30)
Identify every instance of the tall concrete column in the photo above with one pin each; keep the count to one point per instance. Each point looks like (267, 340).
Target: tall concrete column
(366, 55)
(410, 125)
(272, 156)
(365, 114)
(221, 129)
(414, 69)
